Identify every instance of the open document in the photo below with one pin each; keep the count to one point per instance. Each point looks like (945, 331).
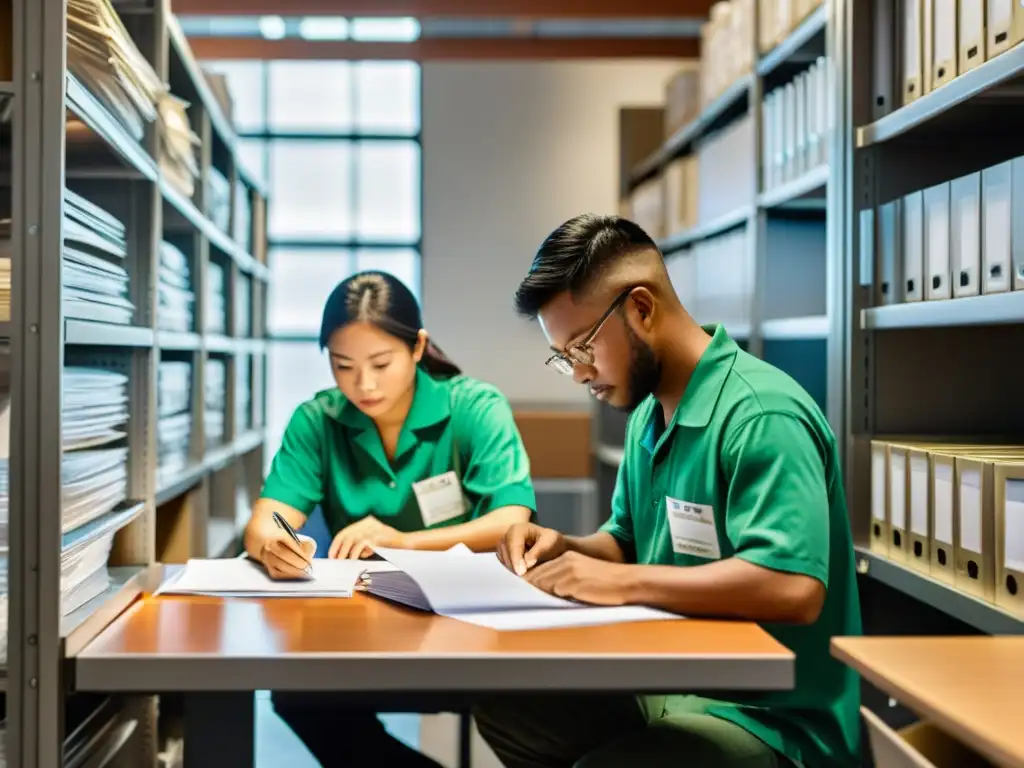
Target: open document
(478, 589)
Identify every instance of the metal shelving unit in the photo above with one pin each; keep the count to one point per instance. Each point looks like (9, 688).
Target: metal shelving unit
(897, 352)
(44, 158)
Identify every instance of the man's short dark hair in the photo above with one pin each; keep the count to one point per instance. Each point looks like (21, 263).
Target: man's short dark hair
(575, 255)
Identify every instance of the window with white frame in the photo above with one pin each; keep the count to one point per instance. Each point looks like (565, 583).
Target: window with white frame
(337, 144)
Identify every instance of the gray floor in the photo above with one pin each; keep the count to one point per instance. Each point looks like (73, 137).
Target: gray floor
(276, 745)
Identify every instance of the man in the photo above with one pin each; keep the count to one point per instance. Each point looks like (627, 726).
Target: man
(729, 503)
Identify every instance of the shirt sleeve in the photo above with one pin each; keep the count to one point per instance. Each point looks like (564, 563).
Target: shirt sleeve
(497, 471)
(777, 512)
(620, 524)
(296, 476)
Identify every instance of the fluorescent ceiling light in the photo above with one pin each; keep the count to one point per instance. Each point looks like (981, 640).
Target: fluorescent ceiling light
(397, 30)
(272, 27)
(324, 28)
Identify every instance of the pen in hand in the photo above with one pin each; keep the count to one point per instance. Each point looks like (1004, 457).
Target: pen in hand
(283, 525)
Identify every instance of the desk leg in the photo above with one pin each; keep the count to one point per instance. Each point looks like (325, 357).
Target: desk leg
(220, 724)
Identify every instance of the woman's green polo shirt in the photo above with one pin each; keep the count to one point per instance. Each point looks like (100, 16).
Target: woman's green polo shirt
(332, 456)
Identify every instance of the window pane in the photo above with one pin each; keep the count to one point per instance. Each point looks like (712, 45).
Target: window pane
(310, 189)
(301, 281)
(310, 96)
(245, 83)
(252, 156)
(295, 371)
(403, 263)
(388, 188)
(388, 97)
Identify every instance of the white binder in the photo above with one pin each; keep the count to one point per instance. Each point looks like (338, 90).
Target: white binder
(913, 247)
(965, 234)
(996, 228)
(936, 242)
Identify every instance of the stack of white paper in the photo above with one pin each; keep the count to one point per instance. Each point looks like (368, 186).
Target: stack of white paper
(94, 408)
(175, 296)
(477, 588)
(218, 199)
(243, 215)
(179, 145)
(95, 282)
(214, 399)
(174, 425)
(94, 483)
(242, 577)
(243, 394)
(103, 57)
(216, 306)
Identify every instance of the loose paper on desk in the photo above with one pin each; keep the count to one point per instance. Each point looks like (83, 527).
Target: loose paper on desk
(243, 577)
(477, 588)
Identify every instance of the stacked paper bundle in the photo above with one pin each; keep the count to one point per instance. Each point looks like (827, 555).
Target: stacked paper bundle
(218, 199)
(5, 270)
(179, 145)
(176, 299)
(95, 287)
(103, 57)
(243, 216)
(216, 306)
(216, 383)
(174, 426)
(243, 394)
(94, 478)
(243, 305)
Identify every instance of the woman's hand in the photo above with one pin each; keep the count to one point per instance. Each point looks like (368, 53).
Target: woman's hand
(357, 540)
(283, 558)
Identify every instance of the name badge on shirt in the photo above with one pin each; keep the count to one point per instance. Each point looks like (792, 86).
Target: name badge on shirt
(440, 498)
(693, 529)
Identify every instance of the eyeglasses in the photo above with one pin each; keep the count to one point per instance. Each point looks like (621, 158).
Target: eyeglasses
(582, 352)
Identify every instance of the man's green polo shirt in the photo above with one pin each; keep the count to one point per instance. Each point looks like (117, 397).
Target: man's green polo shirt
(751, 452)
(332, 456)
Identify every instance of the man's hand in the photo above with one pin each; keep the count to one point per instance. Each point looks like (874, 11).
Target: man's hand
(578, 577)
(358, 540)
(526, 544)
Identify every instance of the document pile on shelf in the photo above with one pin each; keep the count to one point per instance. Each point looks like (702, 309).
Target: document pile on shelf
(174, 423)
(95, 285)
(218, 199)
(478, 589)
(243, 393)
(243, 216)
(214, 399)
(243, 305)
(175, 311)
(103, 57)
(5, 471)
(5, 270)
(216, 319)
(179, 145)
(94, 479)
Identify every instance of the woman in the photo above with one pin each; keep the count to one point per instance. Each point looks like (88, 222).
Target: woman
(406, 452)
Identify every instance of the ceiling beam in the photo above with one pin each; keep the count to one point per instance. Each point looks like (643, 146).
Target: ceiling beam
(446, 49)
(539, 9)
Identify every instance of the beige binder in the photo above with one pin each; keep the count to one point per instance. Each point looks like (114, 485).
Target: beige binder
(970, 35)
(913, 37)
(943, 41)
(1009, 512)
(879, 498)
(998, 26)
(1017, 30)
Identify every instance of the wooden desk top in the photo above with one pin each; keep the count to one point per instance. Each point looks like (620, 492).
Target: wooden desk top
(971, 687)
(364, 644)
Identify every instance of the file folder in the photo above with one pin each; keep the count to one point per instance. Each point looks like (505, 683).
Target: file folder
(918, 502)
(936, 242)
(912, 20)
(1018, 22)
(890, 267)
(879, 498)
(1009, 511)
(1017, 208)
(944, 41)
(897, 501)
(971, 34)
(998, 26)
(996, 228)
(913, 246)
(965, 234)
(942, 518)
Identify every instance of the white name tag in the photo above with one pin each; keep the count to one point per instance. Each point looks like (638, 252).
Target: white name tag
(693, 529)
(440, 498)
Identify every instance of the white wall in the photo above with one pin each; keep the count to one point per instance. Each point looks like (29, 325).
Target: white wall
(510, 151)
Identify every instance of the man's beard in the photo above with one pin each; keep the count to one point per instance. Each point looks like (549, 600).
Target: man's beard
(644, 371)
